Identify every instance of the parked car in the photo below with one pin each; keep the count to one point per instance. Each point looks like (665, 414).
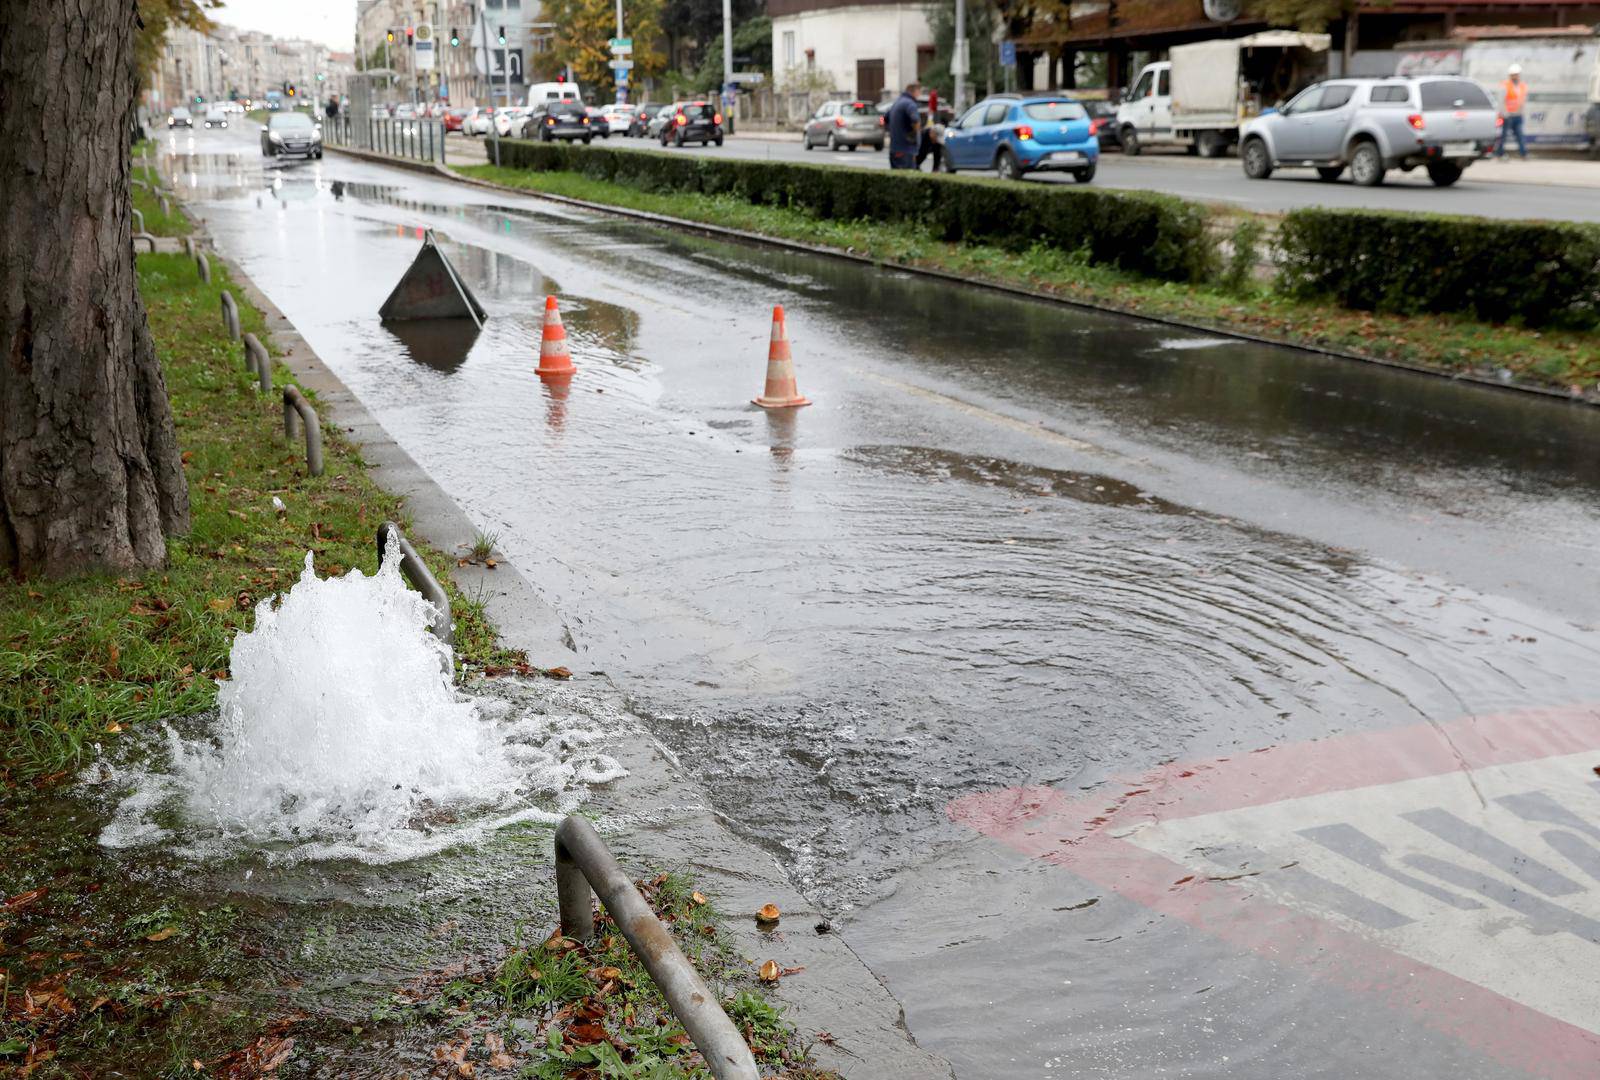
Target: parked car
(1015, 135)
(693, 121)
(291, 134)
(478, 120)
(846, 124)
(1442, 124)
(216, 117)
(455, 118)
(1103, 124)
(180, 117)
(639, 126)
(508, 121)
(659, 120)
(558, 120)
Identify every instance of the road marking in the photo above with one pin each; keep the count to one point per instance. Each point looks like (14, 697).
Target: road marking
(1450, 871)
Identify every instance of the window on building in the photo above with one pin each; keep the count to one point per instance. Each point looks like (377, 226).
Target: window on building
(925, 54)
(788, 48)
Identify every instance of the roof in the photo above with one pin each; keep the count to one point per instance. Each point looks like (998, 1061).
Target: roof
(776, 8)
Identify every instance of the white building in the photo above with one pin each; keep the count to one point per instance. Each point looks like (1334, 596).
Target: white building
(866, 48)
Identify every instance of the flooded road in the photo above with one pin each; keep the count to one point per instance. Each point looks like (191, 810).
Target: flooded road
(975, 644)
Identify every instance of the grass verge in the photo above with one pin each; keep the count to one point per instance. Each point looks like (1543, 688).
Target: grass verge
(83, 660)
(1560, 360)
(156, 223)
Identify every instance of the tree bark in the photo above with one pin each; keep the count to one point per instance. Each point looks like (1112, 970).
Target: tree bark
(90, 475)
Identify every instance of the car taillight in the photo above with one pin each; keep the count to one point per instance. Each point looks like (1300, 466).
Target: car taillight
(1024, 132)
(716, 118)
(838, 121)
(1095, 126)
(680, 120)
(585, 119)
(550, 120)
(1415, 120)
(883, 121)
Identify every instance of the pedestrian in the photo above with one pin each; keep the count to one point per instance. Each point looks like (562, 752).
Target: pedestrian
(1513, 97)
(332, 108)
(905, 129)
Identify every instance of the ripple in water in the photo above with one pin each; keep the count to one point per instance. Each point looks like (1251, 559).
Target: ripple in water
(341, 736)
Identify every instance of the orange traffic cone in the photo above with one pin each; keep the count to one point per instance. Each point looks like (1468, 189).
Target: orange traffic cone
(554, 359)
(781, 391)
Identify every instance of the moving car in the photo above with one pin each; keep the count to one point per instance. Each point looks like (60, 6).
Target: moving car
(558, 120)
(180, 117)
(540, 93)
(692, 121)
(1442, 124)
(659, 120)
(1015, 135)
(216, 117)
(647, 111)
(509, 121)
(597, 122)
(405, 111)
(846, 124)
(1103, 124)
(618, 118)
(291, 134)
(478, 120)
(455, 118)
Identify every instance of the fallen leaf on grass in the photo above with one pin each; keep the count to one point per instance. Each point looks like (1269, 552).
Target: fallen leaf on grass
(22, 900)
(587, 1033)
(113, 727)
(697, 897)
(221, 603)
(162, 934)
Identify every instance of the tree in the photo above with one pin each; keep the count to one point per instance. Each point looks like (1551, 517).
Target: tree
(90, 476)
(981, 23)
(1312, 16)
(584, 29)
(752, 51)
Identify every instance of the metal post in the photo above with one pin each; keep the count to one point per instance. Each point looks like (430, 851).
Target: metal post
(417, 572)
(230, 315)
(138, 221)
(488, 81)
(727, 60)
(295, 404)
(959, 61)
(622, 94)
(257, 359)
(203, 266)
(582, 860)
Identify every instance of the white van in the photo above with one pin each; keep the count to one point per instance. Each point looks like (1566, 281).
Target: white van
(539, 93)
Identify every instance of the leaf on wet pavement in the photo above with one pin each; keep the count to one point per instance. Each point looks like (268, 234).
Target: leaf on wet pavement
(768, 913)
(498, 1058)
(558, 673)
(769, 971)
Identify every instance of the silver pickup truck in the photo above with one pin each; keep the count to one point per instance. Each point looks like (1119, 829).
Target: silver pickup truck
(1441, 123)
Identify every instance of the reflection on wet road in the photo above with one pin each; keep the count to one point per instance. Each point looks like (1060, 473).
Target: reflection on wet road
(1012, 547)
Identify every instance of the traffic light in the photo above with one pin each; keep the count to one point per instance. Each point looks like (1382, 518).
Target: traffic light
(291, 89)
(561, 77)
(411, 35)
(501, 31)
(198, 99)
(319, 76)
(391, 37)
(455, 38)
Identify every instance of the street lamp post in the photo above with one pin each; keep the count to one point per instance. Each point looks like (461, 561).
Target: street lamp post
(727, 59)
(958, 66)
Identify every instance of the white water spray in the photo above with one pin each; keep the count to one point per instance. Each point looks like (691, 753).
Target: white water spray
(339, 736)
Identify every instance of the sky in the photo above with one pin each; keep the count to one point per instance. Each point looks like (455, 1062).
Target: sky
(332, 22)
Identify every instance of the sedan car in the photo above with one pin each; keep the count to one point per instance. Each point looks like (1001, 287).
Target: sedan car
(693, 121)
(478, 121)
(639, 126)
(660, 120)
(455, 118)
(558, 120)
(291, 134)
(1015, 135)
(846, 125)
(618, 118)
(597, 122)
(508, 121)
(216, 117)
(1103, 124)
(180, 117)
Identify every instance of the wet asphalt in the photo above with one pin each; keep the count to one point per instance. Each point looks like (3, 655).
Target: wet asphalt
(1018, 548)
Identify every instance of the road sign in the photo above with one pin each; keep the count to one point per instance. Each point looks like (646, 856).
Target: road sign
(424, 55)
(1008, 54)
(1450, 871)
(622, 65)
(424, 32)
(749, 78)
(621, 45)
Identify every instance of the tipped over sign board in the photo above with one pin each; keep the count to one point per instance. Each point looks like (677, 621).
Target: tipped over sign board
(431, 289)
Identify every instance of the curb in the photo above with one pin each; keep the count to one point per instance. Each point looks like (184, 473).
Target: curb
(836, 993)
(1487, 381)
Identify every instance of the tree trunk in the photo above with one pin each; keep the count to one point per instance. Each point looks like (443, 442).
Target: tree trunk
(90, 476)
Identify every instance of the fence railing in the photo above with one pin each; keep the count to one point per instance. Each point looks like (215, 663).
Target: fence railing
(418, 140)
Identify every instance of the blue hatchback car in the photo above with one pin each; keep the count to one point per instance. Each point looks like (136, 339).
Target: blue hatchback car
(1015, 134)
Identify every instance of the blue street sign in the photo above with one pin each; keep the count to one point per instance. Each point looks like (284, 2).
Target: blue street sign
(1008, 54)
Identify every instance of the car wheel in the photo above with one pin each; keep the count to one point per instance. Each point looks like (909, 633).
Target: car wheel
(878, 146)
(1212, 144)
(1083, 176)
(1443, 173)
(1130, 141)
(677, 137)
(1005, 163)
(1366, 165)
(587, 139)
(1330, 172)
(718, 140)
(945, 164)
(805, 140)
(1257, 162)
(319, 155)
(833, 143)
(852, 147)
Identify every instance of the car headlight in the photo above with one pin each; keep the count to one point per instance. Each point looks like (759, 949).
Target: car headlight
(274, 136)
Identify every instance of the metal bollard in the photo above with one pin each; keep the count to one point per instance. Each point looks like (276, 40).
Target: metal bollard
(166, 207)
(258, 361)
(417, 572)
(582, 862)
(294, 403)
(230, 315)
(147, 238)
(202, 264)
(138, 221)
(188, 246)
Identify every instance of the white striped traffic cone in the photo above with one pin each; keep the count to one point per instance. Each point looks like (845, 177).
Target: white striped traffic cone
(781, 391)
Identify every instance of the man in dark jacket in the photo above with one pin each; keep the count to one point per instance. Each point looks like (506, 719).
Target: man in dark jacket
(904, 129)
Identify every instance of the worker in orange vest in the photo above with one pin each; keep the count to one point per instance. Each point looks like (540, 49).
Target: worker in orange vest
(1513, 96)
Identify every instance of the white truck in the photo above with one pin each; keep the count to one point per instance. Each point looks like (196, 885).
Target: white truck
(1200, 97)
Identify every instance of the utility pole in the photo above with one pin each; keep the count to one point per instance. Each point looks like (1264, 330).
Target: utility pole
(958, 63)
(488, 81)
(727, 60)
(622, 93)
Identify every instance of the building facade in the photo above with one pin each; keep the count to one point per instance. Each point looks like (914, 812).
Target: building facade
(867, 49)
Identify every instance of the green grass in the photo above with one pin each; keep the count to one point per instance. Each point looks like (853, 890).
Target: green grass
(86, 659)
(155, 222)
(589, 1009)
(1556, 359)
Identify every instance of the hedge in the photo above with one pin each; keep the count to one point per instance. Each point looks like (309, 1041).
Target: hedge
(1150, 234)
(1539, 273)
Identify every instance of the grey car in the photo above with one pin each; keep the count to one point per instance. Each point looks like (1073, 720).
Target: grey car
(845, 124)
(653, 126)
(1441, 123)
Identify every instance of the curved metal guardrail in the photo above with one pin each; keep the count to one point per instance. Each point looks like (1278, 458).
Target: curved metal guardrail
(201, 264)
(257, 360)
(138, 219)
(146, 237)
(230, 315)
(295, 404)
(583, 862)
(417, 572)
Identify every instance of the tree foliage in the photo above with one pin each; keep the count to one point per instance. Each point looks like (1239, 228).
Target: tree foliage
(981, 23)
(584, 29)
(695, 25)
(1311, 16)
(752, 51)
(157, 17)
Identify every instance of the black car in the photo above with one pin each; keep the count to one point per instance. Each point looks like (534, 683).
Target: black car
(558, 120)
(1103, 123)
(291, 134)
(639, 126)
(694, 121)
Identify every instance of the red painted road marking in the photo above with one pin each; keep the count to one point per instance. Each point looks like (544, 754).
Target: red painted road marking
(1132, 843)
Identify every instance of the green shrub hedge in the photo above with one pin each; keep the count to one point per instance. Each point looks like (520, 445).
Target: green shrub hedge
(1155, 235)
(1540, 273)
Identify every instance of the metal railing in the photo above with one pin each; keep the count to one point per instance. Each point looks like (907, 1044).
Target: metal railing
(230, 315)
(258, 361)
(295, 405)
(138, 220)
(202, 266)
(146, 237)
(417, 572)
(417, 140)
(583, 863)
